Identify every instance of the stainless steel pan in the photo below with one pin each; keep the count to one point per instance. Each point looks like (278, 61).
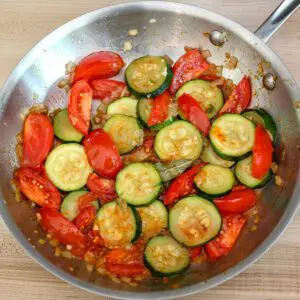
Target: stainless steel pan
(34, 81)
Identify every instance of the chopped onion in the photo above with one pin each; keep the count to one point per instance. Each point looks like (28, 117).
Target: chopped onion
(205, 53)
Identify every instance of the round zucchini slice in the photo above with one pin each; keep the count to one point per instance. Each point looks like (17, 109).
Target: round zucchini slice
(63, 128)
(69, 207)
(154, 219)
(118, 226)
(232, 136)
(260, 116)
(125, 132)
(214, 180)
(148, 76)
(194, 221)
(210, 156)
(209, 96)
(138, 184)
(67, 167)
(123, 106)
(180, 140)
(165, 257)
(243, 172)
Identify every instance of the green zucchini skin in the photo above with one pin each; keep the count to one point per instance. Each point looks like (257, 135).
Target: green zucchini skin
(138, 220)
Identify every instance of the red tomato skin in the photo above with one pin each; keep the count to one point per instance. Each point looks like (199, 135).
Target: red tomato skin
(86, 218)
(102, 153)
(195, 252)
(98, 65)
(38, 137)
(104, 188)
(194, 113)
(238, 201)
(35, 185)
(159, 111)
(59, 227)
(262, 153)
(190, 65)
(240, 98)
(108, 90)
(182, 185)
(79, 106)
(231, 229)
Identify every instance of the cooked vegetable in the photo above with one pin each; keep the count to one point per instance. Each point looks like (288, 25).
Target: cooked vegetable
(138, 184)
(160, 108)
(165, 257)
(214, 180)
(262, 153)
(148, 76)
(192, 111)
(193, 221)
(38, 136)
(232, 136)
(98, 65)
(35, 185)
(195, 252)
(70, 205)
(208, 95)
(190, 65)
(260, 116)
(123, 106)
(118, 226)
(125, 132)
(67, 167)
(243, 173)
(79, 106)
(180, 140)
(154, 219)
(102, 153)
(63, 128)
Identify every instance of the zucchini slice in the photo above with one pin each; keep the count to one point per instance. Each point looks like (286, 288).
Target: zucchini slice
(123, 106)
(260, 116)
(209, 96)
(194, 221)
(63, 128)
(243, 172)
(180, 140)
(118, 226)
(165, 257)
(214, 180)
(232, 136)
(69, 207)
(210, 156)
(148, 76)
(125, 132)
(143, 111)
(154, 219)
(138, 184)
(67, 167)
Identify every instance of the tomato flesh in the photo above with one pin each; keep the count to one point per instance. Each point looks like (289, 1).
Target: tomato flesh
(159, 111)
(195, 252)
(79, 106)
(38, 137)
(86, 218)
(102, 153)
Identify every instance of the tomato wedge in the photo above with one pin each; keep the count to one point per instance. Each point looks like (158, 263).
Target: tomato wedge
(86, 218)
(231, 229)
(65, 231)
(102, 153)
(182, 185)
(239, 99)
(108, 90)
(189, 66)
(98, 65)
(38, 137)
(35, 185)
(104, 188)
(195, 252)
(79, 106)
(194, 113)
(238, 201)
(159, 111)
(262, 152)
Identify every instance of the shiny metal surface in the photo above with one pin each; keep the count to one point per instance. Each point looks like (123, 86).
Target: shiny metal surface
(34, 81)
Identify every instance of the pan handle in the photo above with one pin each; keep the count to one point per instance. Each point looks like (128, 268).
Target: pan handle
(285, 9)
